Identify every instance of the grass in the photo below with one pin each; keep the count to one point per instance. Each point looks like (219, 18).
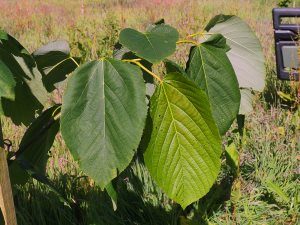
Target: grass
(266, 192)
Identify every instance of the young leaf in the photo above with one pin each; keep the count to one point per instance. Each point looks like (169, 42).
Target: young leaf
(183, 155)
(154, 45)
(54, 62)
(246, 53)
(30, 94)
(210, 68)
(103, 117)
(35, 145)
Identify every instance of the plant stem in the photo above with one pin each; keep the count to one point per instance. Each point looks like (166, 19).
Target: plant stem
(74, 61)
(201, 33)
(187, 42)
(137, 62)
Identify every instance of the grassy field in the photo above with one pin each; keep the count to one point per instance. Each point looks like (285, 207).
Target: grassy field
(268, 190)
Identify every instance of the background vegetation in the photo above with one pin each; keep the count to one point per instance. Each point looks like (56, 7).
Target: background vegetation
(268, 190)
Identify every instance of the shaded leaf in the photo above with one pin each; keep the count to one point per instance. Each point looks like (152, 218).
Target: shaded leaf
(54, 62)
(124, 53)
(183, 155)
(32, 172)
(210, 68)
(232, 156)
(154, 45)
(172, 67)
(35, 145)
(112, 194)
(7, 82)
(30, 94)
(103, 116)
(2, 222)
(246, 53)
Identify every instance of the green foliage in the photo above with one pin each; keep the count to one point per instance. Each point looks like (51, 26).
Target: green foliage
(54, 62)
(183, 155)
(104, 108)
(35, 152)
(103, 116)
(29, 92)
(210, 68)
(245, 54)
(284, 3)
(90, 40)
(155, 45)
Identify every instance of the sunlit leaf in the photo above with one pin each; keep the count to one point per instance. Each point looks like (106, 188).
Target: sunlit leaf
(183, 155)
(210, 68)
(155, 45)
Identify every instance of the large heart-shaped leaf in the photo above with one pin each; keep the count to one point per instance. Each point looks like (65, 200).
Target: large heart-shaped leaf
(54, 62)
(103, 116)
(246, 53)
(35, 145)
(154, 45)
(183, 155)
(210, 68)
(30, 94)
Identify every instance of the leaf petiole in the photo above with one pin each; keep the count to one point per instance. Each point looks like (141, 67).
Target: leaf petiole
(201, 33)
(187, 42)
(137, 62)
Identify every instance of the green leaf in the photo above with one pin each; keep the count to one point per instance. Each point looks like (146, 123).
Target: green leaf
(30, 94)
(35, 145)
(154, 45)
(246, 101)
(7, 82)
(246, 53)
(54, 62)
(112, 194)
(124, 53)
(183, 155)
(210, 68)
(103, 117)
(172, 67)
(232, 156)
